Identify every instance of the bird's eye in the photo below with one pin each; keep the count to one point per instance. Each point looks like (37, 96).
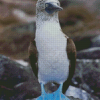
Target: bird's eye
(46, 5)
(58, 4)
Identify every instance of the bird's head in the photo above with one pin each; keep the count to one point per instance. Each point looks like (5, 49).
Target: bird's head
(48, 6)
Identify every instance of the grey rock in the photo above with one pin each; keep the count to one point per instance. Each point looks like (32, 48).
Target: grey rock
(72, 98)
(82, 42)
(95, 42)
(76, 93)
(91, 53)
(87, 40)
(17, 82)
(87, 76)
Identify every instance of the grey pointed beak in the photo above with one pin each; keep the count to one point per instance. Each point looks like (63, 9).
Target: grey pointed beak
(51, 7)
(56, 6)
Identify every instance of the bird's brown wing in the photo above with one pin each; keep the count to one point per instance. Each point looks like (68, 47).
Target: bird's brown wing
(33, 56)
(71, 52)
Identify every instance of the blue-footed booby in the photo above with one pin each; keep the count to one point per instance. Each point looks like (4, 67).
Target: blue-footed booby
(52, 50)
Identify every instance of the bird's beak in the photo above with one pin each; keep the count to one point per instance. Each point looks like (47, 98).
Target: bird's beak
(51, 7)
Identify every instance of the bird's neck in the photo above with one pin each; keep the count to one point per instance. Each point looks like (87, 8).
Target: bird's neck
(43, 18)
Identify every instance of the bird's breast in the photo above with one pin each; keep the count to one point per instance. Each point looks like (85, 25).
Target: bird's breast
(52, 60)
(51, 42)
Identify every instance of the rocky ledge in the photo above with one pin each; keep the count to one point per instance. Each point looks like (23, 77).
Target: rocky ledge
(17, 82)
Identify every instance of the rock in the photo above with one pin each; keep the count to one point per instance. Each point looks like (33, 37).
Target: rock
(82, 42)
(17, 82)
(86, 40)
(20, 82)
(87, 76)
(79, 93)
(22, 62)
(95, 42)
(91, 53)
(75, 92)
(22, 17)
(70, 97)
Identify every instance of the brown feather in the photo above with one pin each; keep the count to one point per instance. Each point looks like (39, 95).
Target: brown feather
(71, 52)
(33, 56)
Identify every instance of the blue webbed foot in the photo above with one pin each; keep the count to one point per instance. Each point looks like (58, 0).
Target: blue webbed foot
(57, 95)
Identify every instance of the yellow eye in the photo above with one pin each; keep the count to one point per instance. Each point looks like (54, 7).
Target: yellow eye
(58, 4)
(46, 5)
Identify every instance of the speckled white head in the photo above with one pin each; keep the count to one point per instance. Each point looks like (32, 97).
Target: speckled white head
(47, 10)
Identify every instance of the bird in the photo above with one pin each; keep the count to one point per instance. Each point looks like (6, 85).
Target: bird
(52, 54)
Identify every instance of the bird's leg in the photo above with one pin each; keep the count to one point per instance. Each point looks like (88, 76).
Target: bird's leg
(60, 95)
(57, 95)
(60, 90)
(42, 90)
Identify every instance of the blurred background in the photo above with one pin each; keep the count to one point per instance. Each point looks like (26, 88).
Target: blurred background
(80, 20)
